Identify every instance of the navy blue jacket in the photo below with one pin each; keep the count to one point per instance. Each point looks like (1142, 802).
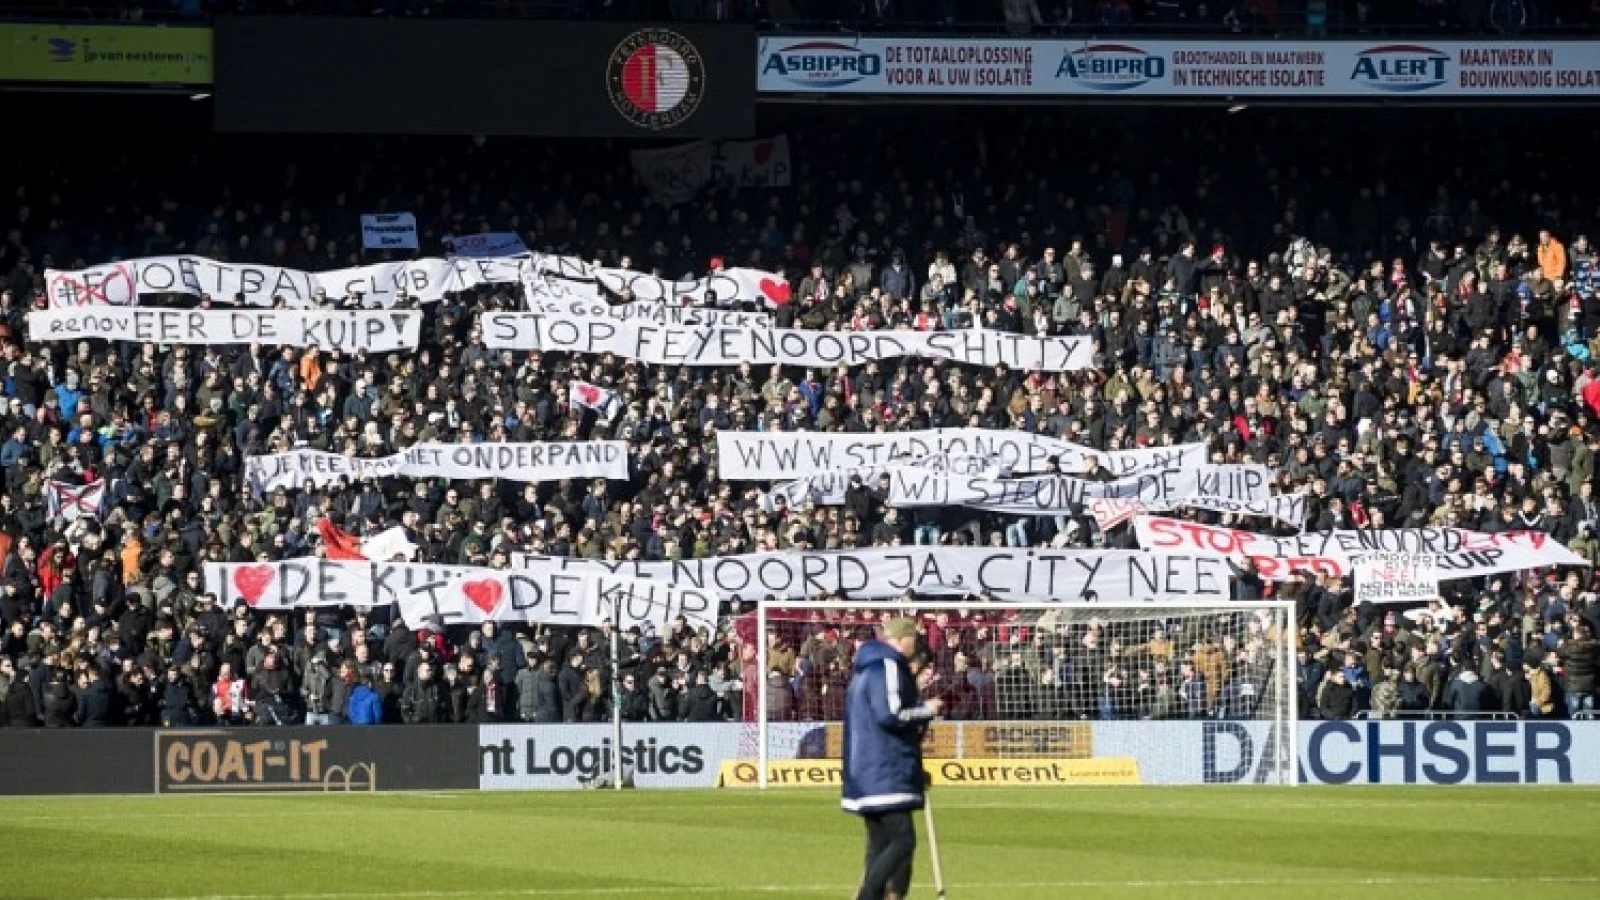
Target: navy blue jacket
(882, 734)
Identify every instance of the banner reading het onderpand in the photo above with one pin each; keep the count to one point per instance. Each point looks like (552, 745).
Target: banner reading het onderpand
(1455, 70)
(105, 54)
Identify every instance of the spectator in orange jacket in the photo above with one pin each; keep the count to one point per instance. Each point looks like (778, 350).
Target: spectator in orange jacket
(1552, 256)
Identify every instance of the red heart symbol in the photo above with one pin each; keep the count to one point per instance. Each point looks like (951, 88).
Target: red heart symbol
(485, 594)
(252, 582)
(775, 289)
(589, 394)
(762, 152)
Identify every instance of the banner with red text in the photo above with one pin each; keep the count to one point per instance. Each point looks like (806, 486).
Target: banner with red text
(1456, 553)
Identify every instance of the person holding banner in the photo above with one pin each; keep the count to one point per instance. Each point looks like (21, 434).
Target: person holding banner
(883, 779)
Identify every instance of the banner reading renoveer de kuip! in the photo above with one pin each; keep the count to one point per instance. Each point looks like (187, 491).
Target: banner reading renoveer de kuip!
(1456, 553)
(669, 345)
(531, 462)
(1000, 67)
(469, 595)
(763, 455)
(373, 331)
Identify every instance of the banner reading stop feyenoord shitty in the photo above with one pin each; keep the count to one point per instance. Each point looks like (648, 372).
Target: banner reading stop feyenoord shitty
(1396, 578)
(763, 455)
(668, 345)
(1055, 495)
(349, 331)
(531, 462)
(461, 594)
(1041, 576)
(380, 285)
(1457, 553)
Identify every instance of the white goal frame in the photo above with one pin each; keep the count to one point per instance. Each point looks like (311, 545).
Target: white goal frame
(1288, 682)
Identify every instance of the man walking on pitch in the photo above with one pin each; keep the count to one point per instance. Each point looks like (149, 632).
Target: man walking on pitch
(883, 777)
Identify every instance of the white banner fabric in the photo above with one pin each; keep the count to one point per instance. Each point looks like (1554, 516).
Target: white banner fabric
(465, 595)
(1040, 576)
(1457, 553)
(666, 345)
(349, 331)
(380, 284)
(389, 231)
(677, 174)
(1396, 578)
(654, 311)
(1043, 67)
(485, 244)
(531, 462)
(829, 488)
(1056, 495)
(763, 455)
(1290, 509)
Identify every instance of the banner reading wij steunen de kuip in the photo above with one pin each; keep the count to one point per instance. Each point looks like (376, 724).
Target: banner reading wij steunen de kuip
(1199, 68)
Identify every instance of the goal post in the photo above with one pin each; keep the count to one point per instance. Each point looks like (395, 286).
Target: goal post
(1079, 693)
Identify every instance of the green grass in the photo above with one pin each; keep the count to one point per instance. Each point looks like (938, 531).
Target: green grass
(1235, 843)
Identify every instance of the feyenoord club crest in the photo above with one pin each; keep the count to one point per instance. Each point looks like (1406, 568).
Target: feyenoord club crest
(656, 78)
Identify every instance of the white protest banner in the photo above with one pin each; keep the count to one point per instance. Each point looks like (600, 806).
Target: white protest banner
(726, 286)
(388, 544)
(764, 455)
(1396, 578)
(654, 311)
(458, 594)
(1457, 553)
(668, 345)
(350, 331)
(636, 601)
(830, 487)
(677, 174)
(1043, 576)
(379, 285)
(1108, 514)
(1290, 509)
(530, 462)
(1055, 495)
(486, 243)
(389, 231)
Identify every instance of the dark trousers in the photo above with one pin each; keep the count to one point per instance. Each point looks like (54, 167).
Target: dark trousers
(891, 844)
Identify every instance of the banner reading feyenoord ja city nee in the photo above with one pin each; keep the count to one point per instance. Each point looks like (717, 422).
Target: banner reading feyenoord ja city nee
(530, 462)
(1036, 576)
(1001, 67)
(1456, 553)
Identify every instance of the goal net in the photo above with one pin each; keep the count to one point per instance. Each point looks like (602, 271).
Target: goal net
(1066, 694)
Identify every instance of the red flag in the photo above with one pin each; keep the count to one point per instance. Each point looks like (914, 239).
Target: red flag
(1358, 514)
(338, 543)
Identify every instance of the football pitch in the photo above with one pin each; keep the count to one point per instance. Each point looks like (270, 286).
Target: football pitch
(996, 843)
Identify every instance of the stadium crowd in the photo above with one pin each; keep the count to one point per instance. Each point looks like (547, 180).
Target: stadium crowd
(1410, 347)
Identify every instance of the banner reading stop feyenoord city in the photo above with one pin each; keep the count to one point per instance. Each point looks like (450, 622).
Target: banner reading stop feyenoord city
(1004, 67)
(1039, 576)
(1456, 553)
(763, 455)
(669, 345)
(350, 331)
(1062, 494)
(461, 594)
(532, 462)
